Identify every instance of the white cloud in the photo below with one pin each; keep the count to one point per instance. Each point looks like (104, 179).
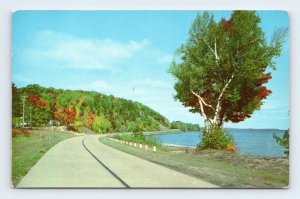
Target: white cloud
(50, 49)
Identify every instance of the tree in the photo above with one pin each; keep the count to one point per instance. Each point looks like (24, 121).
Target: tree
(102, 125)
(89, 120)
(70, 116)
(16, 102)
(222, 68)
(283, 141)
(59, 114)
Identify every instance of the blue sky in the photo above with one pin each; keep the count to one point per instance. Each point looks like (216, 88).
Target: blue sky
(113, 52)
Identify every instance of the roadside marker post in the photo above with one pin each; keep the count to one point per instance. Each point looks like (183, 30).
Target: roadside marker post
(154, 148)
(141, 146)
(134, 144)
(146, 147)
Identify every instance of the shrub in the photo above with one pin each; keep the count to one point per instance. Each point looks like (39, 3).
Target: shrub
(151, 141)
(217, 138)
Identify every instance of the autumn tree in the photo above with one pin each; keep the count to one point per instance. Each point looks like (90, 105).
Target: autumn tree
(59, 114)
(70, 116)
(37, 109)
(89, 120)
(222, 68)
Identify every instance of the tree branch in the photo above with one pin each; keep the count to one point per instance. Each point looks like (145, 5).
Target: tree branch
(209, 46)
(218, 107)
(201, 103)
(215, 53)
(202, 100)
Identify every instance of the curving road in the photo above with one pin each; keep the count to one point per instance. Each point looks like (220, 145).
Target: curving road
(84, 162)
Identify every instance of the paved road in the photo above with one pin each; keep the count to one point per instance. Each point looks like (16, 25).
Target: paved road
(84, 162)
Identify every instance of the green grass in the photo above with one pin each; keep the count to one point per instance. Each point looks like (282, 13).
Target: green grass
(28, 148)
(218, 167)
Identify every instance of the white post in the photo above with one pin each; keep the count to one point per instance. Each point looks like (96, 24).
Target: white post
(154, 148)
(141, 146)
(130, 143)
(146, 147)
(134, 144)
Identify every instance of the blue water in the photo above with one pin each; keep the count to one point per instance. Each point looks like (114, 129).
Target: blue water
(249, 142)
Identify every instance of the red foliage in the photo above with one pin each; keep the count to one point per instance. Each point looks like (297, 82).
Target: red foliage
(36, 100)
(264, 79)
(58, 114)
(228, 24)
(231, 148)
(89, 120)
(70, 116)
(263, 92)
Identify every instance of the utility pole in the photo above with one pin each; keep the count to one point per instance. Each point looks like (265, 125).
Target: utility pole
(30, 108)
(23, 119)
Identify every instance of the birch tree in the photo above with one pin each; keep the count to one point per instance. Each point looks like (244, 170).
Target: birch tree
(220, 71)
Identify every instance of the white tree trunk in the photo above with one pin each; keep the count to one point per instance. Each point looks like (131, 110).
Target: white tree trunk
(218, 107)
(201, 103)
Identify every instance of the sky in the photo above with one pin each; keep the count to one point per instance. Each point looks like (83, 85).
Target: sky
(127, 54)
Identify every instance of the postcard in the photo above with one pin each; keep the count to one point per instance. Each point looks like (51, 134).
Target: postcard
(150, 99)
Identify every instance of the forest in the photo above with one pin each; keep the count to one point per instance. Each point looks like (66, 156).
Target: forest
(76, 108)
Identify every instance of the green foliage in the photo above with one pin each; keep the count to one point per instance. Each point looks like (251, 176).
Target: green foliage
(16, 102)
(221, 70)
(101, 125)
(78, 124)
(185, 126)
(283, 141)
(216, 53)
(16, 122)
(71, 107)
(151, 141)
(216, 138)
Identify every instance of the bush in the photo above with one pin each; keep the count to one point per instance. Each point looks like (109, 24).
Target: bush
(217, 138)
(151, 141)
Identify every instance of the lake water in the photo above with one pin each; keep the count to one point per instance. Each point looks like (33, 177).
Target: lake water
(249, 142)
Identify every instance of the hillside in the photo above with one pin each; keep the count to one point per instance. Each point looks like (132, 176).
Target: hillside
(76, 109)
